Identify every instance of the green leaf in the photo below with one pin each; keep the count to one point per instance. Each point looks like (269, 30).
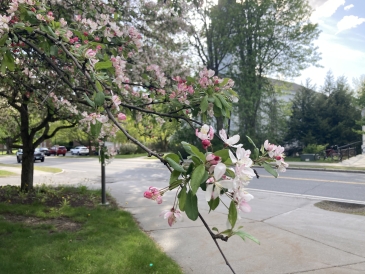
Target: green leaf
(174, 176)
(250, 140)
(9, 61)
(3, 39)
(232, 214)
(190, 169)
(213, 204)
(197, 178)
(175, 165)
(191, 206)
(195, 160)
(224, 82)
(204, 104)
(255, 154)
(182, 198)
(53, 50)
(19, 25)
(270, 170)
(226, 105)
(91, 103)
(99, 87)
(230, 173)
(95, 129)
(103, 65)
(99, 98)
(245, 235)
(217, 102)
(193, 150)
(215, 229)
(174, 157)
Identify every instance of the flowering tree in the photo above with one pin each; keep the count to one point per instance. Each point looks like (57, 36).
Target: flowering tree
(87, 67)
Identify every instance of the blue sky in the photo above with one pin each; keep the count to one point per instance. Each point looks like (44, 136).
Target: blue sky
(342, 41)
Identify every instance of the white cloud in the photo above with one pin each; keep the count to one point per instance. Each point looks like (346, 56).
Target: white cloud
(327, 9)
(349, 22)
(348, 7)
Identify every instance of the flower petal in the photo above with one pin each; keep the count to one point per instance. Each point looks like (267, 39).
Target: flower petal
(208, 192)
(233, 140)
(219, 170)
(231, 155)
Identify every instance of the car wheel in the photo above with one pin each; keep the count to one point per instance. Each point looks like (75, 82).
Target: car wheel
(42, 160)
(18, 160)
(78, 153)
(64, 154)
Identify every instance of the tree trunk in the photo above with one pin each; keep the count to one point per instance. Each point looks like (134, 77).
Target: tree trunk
(27, 169)
(9, 145)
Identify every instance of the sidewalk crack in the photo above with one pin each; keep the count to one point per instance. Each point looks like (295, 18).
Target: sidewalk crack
(322, 268)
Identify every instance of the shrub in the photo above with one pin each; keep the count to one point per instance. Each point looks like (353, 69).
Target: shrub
(127, 148)
(314, 148)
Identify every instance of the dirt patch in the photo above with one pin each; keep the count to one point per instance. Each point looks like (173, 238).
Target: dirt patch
(60, 224)
(342, 207)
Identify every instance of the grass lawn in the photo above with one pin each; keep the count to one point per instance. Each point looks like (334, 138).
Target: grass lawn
(64, 230)
(40, 168)
(4, 173)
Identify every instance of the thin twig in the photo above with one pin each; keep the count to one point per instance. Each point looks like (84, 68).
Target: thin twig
(214, 237)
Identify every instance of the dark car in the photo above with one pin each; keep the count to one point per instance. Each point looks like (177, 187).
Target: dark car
(60, 150)
(38, 155)
(45, 151)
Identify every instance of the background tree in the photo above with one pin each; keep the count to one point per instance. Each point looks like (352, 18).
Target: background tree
(270, 37)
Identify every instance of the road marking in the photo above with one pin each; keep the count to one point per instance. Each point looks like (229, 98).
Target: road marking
(316, 180)
(312, 197)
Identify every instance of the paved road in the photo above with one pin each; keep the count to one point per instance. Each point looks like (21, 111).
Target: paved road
(337, 185)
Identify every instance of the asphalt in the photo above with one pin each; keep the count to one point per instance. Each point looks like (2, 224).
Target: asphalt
(295, 235)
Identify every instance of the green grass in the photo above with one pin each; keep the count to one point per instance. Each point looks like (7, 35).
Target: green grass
(40, 168)
(108, 240)
(4, 173)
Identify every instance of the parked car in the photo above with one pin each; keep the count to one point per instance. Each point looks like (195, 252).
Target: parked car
(79, 150)
(60, 150)
(45, 151)
(38, 155)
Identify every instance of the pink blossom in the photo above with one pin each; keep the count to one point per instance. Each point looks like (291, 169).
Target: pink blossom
(121, 116)
(90, 53)
(206, 132)
(153, 194)
(206, 143)
(172, 216)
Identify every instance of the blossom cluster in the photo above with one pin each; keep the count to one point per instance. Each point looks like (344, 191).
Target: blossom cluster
(227, 175)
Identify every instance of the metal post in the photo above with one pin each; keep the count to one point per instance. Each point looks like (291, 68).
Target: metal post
(103, 188)
(363, 129)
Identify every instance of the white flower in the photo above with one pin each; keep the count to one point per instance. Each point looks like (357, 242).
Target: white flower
(229, 141)
(214, 186)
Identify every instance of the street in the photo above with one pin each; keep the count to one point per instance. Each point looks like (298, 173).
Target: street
(338, 185)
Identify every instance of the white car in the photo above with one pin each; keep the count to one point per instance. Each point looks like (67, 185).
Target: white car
(79, 150)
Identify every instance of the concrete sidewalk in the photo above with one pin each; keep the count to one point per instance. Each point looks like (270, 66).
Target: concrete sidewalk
(295, 236)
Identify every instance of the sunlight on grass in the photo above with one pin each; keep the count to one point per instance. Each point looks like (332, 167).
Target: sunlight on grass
(4, 173)
(40, 168)
(64, 238)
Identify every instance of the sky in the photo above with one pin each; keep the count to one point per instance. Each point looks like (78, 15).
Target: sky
(341, 42)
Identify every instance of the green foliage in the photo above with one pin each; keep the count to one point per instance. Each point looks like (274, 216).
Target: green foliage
(329, 117)
(127, 148)
(314, 148)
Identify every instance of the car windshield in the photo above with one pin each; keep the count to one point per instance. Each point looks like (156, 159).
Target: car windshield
(37, 150)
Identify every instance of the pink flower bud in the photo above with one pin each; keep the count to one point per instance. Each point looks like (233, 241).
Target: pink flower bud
(148, 194)
(122, 117)
(206, 143)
